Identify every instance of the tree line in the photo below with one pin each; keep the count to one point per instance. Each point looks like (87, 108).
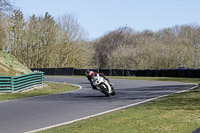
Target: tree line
(165, 49)
(42, 41)
(46, 42)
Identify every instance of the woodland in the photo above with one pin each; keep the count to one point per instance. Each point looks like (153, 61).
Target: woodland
(57, 42)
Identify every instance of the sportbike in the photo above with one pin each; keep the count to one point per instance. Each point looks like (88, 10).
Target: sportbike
(103, 85)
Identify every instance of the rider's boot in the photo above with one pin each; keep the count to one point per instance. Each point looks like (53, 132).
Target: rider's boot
(94, 87)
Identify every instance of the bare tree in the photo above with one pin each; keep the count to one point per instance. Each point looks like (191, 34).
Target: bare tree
(71, 45)
(5, 6)
(108, 43)
(124, 57)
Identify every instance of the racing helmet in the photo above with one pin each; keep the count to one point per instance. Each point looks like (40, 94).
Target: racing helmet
(91, 74)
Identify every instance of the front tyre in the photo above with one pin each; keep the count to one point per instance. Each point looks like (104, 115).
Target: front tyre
(104, 90)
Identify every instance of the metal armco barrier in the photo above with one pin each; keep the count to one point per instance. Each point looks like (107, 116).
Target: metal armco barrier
(20, 83)
(187, 73)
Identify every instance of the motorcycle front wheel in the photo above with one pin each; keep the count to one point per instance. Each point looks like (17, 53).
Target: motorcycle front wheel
(104, 90)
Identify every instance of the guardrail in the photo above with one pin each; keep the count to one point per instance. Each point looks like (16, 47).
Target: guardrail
(20, 83)
(187, 73)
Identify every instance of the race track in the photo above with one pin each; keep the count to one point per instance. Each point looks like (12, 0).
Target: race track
(24, 115)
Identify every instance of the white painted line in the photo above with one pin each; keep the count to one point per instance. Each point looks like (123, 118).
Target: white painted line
(80, 87)
(98, 114)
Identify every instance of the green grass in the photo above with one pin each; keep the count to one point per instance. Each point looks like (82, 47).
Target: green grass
(184, 80)
(52, 88)
(10, 66)
(178, 113)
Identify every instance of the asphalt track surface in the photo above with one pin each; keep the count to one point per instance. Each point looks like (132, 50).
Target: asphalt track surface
(29, 114)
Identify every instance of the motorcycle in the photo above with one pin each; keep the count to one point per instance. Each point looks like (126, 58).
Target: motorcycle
(103, 85)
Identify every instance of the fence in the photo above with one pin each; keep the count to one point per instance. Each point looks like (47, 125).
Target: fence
(188, 73)
(20, 83)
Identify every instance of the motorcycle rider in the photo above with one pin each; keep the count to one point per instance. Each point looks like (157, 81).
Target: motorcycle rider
(90, 74)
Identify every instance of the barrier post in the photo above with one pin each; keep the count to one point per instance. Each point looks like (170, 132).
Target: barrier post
(42, 74)
(12, 84)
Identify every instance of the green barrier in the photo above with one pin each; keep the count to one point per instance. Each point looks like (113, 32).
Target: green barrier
(20, 83)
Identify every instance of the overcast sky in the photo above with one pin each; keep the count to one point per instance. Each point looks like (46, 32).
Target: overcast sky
(98, 17)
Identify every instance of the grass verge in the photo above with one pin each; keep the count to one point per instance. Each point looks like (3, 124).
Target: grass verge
(178, 113)
(184, 80)
(51, 88)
